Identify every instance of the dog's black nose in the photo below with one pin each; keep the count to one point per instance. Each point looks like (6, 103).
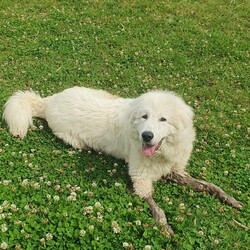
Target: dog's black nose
(147, 136)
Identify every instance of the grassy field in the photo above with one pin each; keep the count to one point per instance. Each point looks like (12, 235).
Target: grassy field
(54, 197)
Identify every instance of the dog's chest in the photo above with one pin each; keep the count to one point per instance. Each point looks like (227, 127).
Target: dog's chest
(151, 168)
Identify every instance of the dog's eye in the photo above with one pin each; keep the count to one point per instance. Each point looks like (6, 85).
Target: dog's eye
(163, 119)
(145, 117)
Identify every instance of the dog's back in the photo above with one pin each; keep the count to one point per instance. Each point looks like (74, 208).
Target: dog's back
(79, 116)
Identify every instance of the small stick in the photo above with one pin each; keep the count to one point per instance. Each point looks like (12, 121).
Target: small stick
(240, 224)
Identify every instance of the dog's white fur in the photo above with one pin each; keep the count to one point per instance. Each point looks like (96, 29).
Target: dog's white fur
(85, 117)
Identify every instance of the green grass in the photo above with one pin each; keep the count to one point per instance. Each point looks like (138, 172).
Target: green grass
(197, 48)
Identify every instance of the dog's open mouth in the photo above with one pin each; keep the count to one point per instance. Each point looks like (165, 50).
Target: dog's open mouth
(149, 150)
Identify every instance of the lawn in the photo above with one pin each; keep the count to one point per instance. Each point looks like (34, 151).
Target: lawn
(55, 197)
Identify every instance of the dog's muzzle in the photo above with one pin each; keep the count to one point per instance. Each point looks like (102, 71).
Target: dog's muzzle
(150, 149)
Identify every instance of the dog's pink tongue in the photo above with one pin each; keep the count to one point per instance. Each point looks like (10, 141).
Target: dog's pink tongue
(148, 150)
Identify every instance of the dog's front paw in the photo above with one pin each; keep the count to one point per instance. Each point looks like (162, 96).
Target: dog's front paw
(159, 216)
(161, 220)
(234, 203)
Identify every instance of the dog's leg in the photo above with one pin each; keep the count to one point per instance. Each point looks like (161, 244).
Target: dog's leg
(159, 216)
(144, 189)
(184, 178)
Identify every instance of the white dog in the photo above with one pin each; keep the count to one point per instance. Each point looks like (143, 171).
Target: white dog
(154, 133)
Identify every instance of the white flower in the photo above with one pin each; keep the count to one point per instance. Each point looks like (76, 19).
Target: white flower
(82, 232)
(100, 218)
(2, 216)
(17, 222)
(6, 204)
(18, 246)
(56, 198)
(147, 247)
(34, 211)
(138, 223)
(1, 209)
(71, 198)
(70, 152)
(25, 183)
(91, 227)
(233, 153)
(36, 185)
(42, 241)
(98, 205)
(49, 236)
(117, 230)
(117, 184)
(73, 193)
(201, 232)
(6, 182)
(88, 210)
(4, 245)
(125, 244)
(13, 207)
(4, 228)
(57, 187)
(182, 206)
(116, 227)
(216, 242)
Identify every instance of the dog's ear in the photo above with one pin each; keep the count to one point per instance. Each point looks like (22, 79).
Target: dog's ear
(184, 116)
(130, 121)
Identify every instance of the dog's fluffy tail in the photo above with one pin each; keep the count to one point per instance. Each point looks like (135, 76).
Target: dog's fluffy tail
(19, 110)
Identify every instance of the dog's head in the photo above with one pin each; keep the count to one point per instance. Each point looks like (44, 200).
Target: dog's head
(158, 118)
